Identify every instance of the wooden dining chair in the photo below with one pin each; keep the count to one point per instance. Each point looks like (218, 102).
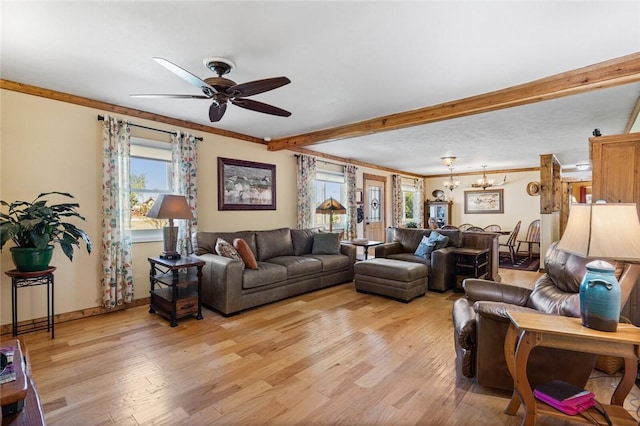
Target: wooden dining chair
(474, 229)
(449, 227)
(533, 237)
(493, 228)
(510, 244)
(465, 226)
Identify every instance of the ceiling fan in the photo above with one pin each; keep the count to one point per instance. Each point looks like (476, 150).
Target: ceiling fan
(222, 90)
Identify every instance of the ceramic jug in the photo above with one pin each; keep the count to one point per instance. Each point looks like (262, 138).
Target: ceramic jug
(600, 297)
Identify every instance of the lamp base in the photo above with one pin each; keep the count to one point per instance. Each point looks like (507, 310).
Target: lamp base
(170, 255)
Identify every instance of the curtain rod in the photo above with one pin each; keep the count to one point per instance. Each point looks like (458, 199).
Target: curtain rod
(101, 118)
(321, 161)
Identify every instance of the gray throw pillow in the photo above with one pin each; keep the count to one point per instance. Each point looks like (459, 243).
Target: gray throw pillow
(326, 243)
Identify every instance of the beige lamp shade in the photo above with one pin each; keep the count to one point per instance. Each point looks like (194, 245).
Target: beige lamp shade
(170, 207)
(603, 231)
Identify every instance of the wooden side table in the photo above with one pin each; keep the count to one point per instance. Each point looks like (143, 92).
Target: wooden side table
(470, 263)
(175, 287)
(528, 330)
(29, 279)
(364, 244)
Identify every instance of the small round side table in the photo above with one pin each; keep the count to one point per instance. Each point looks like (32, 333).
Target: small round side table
(29, 279)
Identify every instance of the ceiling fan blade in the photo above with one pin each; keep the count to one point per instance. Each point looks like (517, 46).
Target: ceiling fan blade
(187, 76)
(258, 86)
(260, 107)
(157, 96)
(216, 111)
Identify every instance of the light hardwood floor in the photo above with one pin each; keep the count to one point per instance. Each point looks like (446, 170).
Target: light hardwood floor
(330, 357)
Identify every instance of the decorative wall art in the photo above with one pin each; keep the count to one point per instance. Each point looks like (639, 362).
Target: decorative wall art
(245, 185)
(487, 201)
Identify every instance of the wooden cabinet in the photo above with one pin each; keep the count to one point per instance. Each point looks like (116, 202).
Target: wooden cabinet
(616, 179)
(441, 210)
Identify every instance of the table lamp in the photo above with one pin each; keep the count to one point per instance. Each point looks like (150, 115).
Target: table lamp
(332, 207)
(170, 207)
(601, 231)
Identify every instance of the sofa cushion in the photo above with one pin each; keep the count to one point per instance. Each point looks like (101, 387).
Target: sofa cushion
(245, 253)
(276, 242)
(326, 243)
(298, 266)
(224, 249)
(266, 274)
(302, 241)
(332, 262)
(410, 257)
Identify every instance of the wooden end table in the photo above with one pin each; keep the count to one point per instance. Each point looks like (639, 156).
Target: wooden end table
(19, 398)
(528, 330)
(175, 287)
(364, 244)
(470, 263)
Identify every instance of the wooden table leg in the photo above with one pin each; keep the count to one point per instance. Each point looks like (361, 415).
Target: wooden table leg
(509, 355)
(627, 382)
(526, 342)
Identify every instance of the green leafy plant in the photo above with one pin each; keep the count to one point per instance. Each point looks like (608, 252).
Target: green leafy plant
(411, 225)
(36, 224)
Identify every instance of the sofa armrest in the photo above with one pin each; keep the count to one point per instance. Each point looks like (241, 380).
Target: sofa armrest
(221, 283)
(349, 250)
(476, 289)
(498, 310)
(387, 249)
(464, 334)
(443, 269)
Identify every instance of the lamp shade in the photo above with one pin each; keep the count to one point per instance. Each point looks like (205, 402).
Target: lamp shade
(170, 207)
(603, 231)
(331, 205)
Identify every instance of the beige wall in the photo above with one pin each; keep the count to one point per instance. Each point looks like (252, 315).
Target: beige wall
(54, 146)
(518, 205)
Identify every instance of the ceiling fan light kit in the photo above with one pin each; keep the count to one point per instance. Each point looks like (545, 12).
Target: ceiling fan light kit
(221, 90)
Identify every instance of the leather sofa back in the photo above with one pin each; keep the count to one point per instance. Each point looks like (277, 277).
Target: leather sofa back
(409, 238)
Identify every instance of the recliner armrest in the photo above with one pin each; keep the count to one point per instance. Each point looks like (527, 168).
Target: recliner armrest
(476, 289)
(387, 249)
(498, 310)
(464, 323)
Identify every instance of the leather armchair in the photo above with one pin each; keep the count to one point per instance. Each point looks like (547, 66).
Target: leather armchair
(481, 322)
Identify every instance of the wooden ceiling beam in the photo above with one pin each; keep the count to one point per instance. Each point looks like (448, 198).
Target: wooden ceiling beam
(614, 72)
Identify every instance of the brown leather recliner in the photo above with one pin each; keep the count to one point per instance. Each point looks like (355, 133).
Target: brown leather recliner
(480, 322)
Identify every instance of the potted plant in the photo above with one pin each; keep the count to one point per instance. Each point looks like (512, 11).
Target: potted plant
(36, 226)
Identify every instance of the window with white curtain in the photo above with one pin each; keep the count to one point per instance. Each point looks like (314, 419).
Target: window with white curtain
(409, 203)
(150, 175)
(330, 184)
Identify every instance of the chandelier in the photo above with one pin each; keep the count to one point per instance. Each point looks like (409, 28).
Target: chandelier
(483, 183)
(451, 183)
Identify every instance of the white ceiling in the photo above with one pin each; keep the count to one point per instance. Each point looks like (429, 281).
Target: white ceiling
(348, 62)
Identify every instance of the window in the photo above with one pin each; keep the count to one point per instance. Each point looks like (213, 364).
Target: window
(409, 200)
(150, 174)
(330, 184)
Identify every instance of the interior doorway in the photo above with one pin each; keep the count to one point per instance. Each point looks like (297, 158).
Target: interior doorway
(374, 207)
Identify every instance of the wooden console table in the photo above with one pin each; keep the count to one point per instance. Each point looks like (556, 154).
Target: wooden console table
(528, 330)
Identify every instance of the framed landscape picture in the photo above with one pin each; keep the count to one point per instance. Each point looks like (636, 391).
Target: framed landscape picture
(487, 201)
(245, 185)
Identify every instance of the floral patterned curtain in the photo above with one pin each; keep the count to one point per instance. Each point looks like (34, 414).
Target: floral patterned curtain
(419, 203)
(117, 272)
(351, 231)
(306, 183)
(396, 200)
(184, 157)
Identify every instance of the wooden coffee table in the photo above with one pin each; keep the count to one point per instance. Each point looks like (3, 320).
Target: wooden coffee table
(528, 330)
(19, 398)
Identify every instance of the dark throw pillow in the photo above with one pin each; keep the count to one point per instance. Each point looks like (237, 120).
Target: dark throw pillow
(328, 243)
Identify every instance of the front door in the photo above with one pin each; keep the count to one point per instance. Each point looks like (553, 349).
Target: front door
(373, 201)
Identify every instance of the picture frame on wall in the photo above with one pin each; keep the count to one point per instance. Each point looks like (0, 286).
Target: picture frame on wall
(246, 185)
(484, 201)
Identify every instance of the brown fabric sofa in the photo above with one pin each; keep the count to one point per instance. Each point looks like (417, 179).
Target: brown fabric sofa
(402, 243)
(480, 323)
(286, 267)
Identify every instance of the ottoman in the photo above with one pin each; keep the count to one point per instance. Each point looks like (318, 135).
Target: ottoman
(392, 278)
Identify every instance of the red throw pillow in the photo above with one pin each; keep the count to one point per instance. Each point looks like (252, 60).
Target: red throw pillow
(245, 253)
